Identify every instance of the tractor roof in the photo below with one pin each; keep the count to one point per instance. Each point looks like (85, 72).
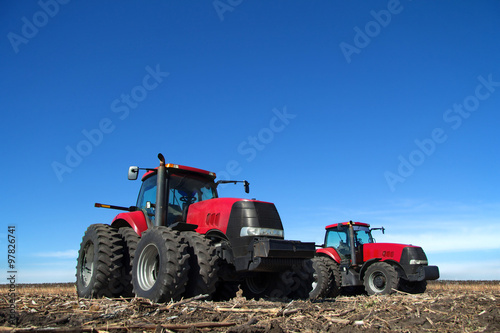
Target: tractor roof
(182, 168)
(361, 224)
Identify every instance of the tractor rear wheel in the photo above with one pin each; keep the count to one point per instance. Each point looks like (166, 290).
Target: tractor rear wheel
(204, 265)
(99, 264)
(380, 279)
(131, 239)
(322, 278)
(336, 279)
(303, 280)
(161, 265)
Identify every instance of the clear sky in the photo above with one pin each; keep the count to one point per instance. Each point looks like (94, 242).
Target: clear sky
(385, 112)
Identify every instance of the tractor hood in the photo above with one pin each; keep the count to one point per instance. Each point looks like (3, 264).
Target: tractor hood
(393, 251)
(229, 215)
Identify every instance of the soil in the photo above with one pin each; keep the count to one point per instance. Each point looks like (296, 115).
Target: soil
(434, 311)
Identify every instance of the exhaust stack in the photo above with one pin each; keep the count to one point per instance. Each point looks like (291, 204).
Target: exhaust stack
(353, 247)
(161, 204)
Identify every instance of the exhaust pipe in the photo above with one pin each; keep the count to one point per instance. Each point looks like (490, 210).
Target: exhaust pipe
(161, 204)
(353, 247)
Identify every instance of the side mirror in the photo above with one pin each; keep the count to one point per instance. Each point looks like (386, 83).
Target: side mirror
(247, 187)
(133, 172)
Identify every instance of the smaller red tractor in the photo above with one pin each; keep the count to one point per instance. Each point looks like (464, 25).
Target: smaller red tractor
(350, 258)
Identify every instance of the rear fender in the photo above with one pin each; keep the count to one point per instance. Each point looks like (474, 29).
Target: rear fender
(329, 252)
(135, 220)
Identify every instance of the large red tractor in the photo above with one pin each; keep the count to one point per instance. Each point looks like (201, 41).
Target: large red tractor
(350, 258)
(181, 240)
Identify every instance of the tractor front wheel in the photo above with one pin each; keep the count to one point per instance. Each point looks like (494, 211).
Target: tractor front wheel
(99, 263)
(412, 287)
(267, 285)
(380, 279)
(160, 269)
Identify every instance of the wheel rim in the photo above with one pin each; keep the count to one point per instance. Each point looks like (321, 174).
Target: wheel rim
(257, 284)
(378, 281)
(87, 264)
(148, 266)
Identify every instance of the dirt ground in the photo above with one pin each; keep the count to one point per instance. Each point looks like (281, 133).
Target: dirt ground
(443, 308)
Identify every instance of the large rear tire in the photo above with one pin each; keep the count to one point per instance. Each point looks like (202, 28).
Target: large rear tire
(322, 276)
(100, 262)
(303, 280)
(160, 268)
(380, 279)
(204, 265)
(335, 286)
(131, 239)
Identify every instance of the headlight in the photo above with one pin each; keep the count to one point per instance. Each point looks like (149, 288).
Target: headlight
(418, 262)
(251, 231)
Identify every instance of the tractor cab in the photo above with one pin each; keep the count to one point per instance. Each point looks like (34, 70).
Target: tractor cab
(341, 236)
(184, 186)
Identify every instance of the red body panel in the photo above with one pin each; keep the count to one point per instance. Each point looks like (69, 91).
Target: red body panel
(212, 214)
(385, 251)
(135, 219)
(331, 252)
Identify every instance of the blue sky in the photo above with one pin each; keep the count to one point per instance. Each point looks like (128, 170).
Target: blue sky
(384, 112)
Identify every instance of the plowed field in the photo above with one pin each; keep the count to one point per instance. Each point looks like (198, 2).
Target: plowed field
(445, 307)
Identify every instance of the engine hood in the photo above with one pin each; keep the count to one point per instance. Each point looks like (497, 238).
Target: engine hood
(385, 251)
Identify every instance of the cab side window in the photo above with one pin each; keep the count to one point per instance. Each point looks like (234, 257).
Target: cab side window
(340, 241)
(148, 193)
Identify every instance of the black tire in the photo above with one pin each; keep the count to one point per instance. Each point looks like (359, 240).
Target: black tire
(380, 279)
(267, 285)
(228, 282)
(322, 275)
(303, 280)
(335, 286)
(412, 287)
(225, 290)
(99, 263)
(130, 239)
(160, 268)
(204, 265)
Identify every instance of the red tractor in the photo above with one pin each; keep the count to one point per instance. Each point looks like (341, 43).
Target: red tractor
(350, 258)
(181, 240)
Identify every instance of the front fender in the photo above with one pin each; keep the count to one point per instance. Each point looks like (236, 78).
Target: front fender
(135, 220)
